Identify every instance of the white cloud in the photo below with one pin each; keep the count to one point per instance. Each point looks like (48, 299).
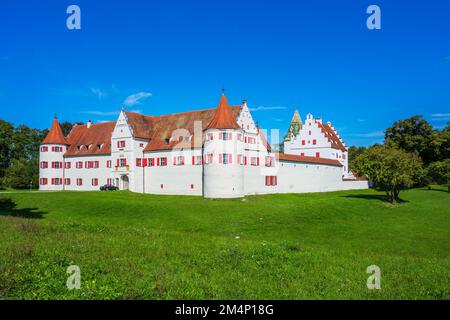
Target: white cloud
(136, 98)
(437, 117)
(361, 120)
(263, 108)
(375, 134)
(98, 92)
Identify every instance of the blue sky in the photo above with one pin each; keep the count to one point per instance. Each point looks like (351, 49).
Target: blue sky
(162, 57)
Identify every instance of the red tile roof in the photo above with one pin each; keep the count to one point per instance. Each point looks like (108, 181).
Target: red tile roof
(159, 129)
(95, 140)
(304, 159)
(330, 134)
(55, 135)
(223, 118)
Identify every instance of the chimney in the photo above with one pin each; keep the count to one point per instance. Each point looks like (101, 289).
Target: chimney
(88, 124)
(329, 123)
(319, 119)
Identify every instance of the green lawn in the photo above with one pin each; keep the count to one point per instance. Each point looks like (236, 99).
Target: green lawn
(294, 246)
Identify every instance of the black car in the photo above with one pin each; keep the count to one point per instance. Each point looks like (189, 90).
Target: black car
(108, 187)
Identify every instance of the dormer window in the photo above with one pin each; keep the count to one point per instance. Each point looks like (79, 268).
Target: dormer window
(78, 147)
(167, 141)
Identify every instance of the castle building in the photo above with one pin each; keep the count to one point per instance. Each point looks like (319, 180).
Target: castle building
(215, 153)
(316, 139)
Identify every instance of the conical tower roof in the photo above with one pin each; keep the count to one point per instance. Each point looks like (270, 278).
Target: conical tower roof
(223, 118)
(55, 135)
(296, 118)
(295, 126)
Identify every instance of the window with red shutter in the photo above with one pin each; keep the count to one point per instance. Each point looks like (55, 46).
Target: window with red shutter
(317, 154)
(314, 141)
(144, 160)
(303, 142)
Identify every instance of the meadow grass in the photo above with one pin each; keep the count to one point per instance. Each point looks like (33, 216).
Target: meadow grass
(289, 246)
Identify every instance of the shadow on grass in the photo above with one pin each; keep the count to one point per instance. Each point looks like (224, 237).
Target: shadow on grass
(377, 197)
(9, 208)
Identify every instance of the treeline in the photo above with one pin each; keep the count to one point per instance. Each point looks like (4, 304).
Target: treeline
(19, 154)
(413, 154)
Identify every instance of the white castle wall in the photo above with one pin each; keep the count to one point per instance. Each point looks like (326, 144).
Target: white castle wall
(304, 177)
(102, 173)
(174, 179)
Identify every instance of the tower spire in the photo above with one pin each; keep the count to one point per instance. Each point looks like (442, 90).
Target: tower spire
(223, 118)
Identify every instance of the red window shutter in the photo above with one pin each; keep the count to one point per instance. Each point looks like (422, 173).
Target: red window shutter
(245, 139)
(230, 158)
(257, 161)
(220, 158)
(125, 161)
(303, 142)
(193, 159)
(137, 162)
(317, 154)
(314, 141)
(276, 180)
(174, 160)
(157, 161)
(182, 160)
(118, 144)
(245, 160)
(144, 162)
(229, 136)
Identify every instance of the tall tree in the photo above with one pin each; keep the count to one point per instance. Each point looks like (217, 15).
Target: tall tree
(6, 138)
(353, 152)
(67, 126)
(415, 135)
(391, 169)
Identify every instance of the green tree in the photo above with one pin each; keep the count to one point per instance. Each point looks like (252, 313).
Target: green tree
(66, 127)
(6, 137)
(439, 172)
(414, 135)
(390, 169)
(353, 152)
(21, 173)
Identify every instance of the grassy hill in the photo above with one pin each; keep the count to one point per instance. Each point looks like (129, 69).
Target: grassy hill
(293, 246)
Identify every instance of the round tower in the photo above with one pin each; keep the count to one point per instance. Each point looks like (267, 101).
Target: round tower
(51, 159)
(223, 152)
